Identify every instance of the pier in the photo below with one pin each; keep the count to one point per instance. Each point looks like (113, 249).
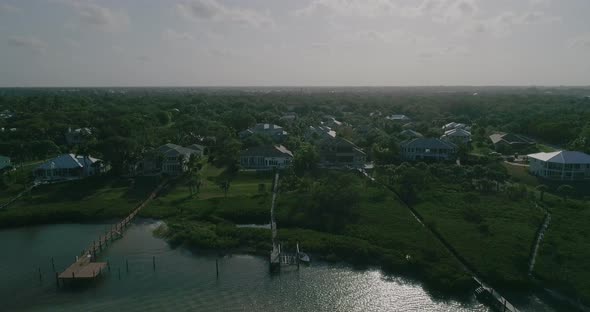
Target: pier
(85, 267)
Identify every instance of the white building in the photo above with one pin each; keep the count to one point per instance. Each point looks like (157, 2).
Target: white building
(454, 125)
(457, 135)
(69, 167)
(560, 165)
(266, 157)
(399, 118)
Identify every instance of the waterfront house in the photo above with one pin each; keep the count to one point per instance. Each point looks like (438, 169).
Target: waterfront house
(560, 165)
(427, 149)
(340, 152)
(69, 167)
(314, 134)
(266, 157)
(168, 159)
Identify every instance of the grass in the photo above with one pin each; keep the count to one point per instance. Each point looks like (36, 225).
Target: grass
(563, 256)
(521, 174)
(84, 200)
(492, 232)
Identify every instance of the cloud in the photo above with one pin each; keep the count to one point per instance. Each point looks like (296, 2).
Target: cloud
(582, 41)
(143, 58)
(212, 10)
(30, 43)
(173, 35)
(97, 16)
(504, 23)
(436, 10)
(7, 9)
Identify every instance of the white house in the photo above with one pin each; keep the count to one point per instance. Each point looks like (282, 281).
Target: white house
(69, 167)
(266, 157)
(276, 132)
(427, 149)
(399, 118)
(170, 159)
(411, 134)
(560, 165)
(454, 125)
(4, 162)
(457, 135)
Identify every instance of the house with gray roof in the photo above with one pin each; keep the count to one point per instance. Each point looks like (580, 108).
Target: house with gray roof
(427, 149)
(277, 133)
(510, 143)
(169, 159)
(399, 118)
(266, 157)
(69, 167)
(313, 134)
(340, 152)
(457, 135)
(410, 134)
(77, 136)
(560, 165)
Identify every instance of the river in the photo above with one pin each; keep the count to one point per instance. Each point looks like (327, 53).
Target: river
(186, 280)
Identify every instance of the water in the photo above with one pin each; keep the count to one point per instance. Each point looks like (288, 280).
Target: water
(186, 281)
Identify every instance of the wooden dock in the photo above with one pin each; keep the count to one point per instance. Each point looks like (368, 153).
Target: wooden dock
(85, 266)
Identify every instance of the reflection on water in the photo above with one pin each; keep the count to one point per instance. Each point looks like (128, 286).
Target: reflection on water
(185, 281)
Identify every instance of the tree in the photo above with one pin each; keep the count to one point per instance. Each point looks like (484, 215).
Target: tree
(306, 159)
(565, 190)
(224, 186)
(542, 189)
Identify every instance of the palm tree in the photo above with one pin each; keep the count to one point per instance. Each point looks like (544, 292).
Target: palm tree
(542, 189)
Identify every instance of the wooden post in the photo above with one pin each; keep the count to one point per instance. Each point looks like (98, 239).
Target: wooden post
(73, 275)
(154, 263)
(100, 243)
(119, 269)
(217, 267)
(40, 276)
(52, 264)
(127, 264)
(109, 265)
(56, 280)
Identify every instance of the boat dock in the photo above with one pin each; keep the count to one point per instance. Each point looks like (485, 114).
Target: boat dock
(85, 266)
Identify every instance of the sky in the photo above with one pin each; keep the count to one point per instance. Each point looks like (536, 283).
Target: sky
(294, 42)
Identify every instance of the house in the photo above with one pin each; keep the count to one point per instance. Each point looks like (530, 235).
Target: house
(276, 132)
(4, 162)
(69, 167)
(313, 134)
(289, 117)
(399, 118)
(6, 114)
(409, 125)
(509, 143)
(457, 135)
(200, 150)
(77, 136)
(411, 134)
(453, 125)
(330, 121)
(560, 165)
(338, 152)
(266, 157)
(169, 159)
(427, 149)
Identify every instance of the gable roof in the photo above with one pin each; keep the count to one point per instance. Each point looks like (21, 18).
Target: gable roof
(411, 133)
(267, 151)
(68, 161)
(457, 132)
(196, 147)
(428, 143)
(175, 150)
(563, 157)
(341, 141)
(510, 138)
(398, 117)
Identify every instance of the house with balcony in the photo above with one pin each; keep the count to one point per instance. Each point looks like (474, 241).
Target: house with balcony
(508, 143)
(340, 152)
(266, 157)
(560, 165)
(429, 149)
(457, 136)
(168, 159)
(69, 167)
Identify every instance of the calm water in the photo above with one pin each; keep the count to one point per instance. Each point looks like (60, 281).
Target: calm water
(186, 281)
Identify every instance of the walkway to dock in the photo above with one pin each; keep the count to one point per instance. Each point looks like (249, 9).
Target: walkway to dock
(85, 266)
(276, 248)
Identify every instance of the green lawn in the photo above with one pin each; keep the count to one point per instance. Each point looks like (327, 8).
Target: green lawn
(563, 256)
(492, 232)
(521, 174)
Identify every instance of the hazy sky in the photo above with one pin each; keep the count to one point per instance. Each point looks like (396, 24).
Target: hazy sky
(294, 42)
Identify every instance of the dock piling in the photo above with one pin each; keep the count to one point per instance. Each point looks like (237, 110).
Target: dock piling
(56, 279)
(127, 264)
(217, 267)
(52, 264)
(40, 276)
(109, 265)
(119, 269)
(154, 263)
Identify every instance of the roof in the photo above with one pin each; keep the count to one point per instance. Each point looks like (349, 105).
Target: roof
(264, 128)
(174, 150)
(457, 132)
(563, 157)
(196, 147)
(510, 138)
(427, 143)
(267, 151)
(411, 133)
(322, 131)
(339, 141)
(68, 161)
(398, 117)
